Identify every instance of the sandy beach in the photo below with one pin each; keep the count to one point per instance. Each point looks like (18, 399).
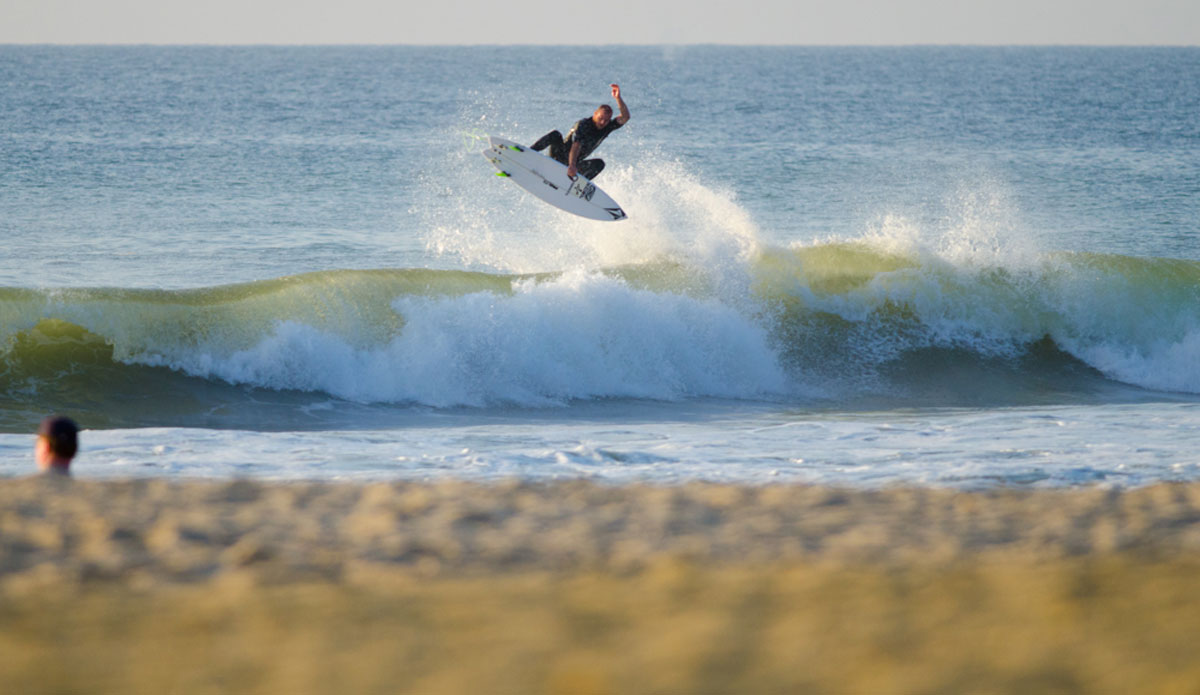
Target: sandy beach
(196, 587)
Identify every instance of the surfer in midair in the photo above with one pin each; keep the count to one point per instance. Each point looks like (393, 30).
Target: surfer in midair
(584, 137)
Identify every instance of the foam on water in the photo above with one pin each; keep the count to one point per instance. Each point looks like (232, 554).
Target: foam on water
(1113, 446)
(580, 335)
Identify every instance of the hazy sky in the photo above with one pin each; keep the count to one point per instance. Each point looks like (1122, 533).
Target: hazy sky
(806, 22)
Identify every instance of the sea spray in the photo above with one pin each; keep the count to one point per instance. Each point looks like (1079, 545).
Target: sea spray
(673, 216)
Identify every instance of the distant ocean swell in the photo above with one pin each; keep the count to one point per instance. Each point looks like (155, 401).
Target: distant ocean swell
(830, 321)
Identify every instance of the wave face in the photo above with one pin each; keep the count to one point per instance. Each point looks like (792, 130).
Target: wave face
(436, 338)
(836, 322)
(871, 308)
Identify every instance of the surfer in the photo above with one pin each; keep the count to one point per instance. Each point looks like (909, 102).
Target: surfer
(584, 137)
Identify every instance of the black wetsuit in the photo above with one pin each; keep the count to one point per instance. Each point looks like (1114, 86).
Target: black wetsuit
(589, 138)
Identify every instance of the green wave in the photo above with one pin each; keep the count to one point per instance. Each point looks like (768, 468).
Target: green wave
(847, 317)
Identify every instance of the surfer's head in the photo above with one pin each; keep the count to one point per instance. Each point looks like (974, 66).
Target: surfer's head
(602, 115)
(57, 442)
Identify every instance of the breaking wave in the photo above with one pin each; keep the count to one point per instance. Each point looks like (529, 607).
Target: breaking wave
(833, 321)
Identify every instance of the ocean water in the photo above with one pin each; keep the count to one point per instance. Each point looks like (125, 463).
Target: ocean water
(967, 267)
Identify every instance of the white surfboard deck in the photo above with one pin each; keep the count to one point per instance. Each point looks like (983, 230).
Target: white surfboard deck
(547, 179)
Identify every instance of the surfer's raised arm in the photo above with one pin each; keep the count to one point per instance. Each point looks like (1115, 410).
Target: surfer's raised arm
(624, 117)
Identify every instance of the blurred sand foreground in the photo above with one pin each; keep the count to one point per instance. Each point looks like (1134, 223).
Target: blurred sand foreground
(240, 587)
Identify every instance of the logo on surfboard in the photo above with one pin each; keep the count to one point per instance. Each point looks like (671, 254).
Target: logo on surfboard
(583, 189)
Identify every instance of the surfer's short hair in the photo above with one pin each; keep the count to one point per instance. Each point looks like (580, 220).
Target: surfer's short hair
(62, 434)
(606, 107)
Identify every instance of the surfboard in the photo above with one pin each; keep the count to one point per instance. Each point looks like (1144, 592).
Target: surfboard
(548, 180)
